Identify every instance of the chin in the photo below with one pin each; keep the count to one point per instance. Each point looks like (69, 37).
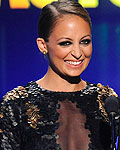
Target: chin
(74, 74)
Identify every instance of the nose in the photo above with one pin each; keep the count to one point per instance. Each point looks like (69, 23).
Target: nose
(77, 52)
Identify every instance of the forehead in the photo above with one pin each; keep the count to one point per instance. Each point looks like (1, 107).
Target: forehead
(69, 17)
(70, 24)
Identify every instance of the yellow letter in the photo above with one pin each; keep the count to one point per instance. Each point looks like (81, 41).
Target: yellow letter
(89, 3)
(19, 4)
(116, 2)
(41, 3)
(0, 3)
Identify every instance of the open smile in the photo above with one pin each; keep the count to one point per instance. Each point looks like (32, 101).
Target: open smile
(75, 63)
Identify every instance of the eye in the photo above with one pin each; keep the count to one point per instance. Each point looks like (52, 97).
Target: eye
(65, 43)
(86, 41)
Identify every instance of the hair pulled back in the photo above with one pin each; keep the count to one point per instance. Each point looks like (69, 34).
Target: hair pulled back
(53, 11)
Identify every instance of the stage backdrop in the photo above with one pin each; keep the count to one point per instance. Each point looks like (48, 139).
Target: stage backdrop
(21, 61)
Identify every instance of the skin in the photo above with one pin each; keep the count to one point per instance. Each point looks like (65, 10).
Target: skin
(69, 50)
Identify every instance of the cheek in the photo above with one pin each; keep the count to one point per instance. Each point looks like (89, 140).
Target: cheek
(88, 52)
(56, 53)
(61, 53)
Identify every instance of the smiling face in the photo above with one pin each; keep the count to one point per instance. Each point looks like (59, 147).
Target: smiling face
(69, 46)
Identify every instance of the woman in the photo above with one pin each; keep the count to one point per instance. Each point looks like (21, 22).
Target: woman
(59, 111)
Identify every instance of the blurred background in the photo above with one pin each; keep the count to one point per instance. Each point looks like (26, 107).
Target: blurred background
(21, 61)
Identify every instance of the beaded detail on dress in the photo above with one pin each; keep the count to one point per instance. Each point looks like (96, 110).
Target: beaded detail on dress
(103, 93)
(29, 117)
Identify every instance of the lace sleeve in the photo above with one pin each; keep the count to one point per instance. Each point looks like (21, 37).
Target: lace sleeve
(10, 119)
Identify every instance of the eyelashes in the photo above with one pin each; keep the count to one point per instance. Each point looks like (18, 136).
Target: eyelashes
(68, 43)
(86, 41)
(65, 43)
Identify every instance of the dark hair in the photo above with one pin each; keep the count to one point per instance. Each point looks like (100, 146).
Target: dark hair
(52, 12)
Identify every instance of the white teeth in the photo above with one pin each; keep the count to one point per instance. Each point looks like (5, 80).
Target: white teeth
(73, 63)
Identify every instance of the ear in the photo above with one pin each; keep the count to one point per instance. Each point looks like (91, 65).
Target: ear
(42, 45)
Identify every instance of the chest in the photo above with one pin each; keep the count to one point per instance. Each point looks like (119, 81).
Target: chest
(64, 123)
(72, 132)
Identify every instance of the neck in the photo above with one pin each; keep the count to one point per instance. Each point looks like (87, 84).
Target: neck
(55, 82)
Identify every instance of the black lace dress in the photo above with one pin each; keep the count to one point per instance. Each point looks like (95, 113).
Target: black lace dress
(32, 118)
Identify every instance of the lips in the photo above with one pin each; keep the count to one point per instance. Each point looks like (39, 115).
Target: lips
(75, 63)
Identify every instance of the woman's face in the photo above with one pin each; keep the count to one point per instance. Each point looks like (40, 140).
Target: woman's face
(69, 46)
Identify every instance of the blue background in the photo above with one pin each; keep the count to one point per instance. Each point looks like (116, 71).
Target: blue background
(21, 61)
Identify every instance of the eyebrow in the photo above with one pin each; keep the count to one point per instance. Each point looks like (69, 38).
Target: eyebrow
(64, 38)
(71, 39)
(86, 36)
